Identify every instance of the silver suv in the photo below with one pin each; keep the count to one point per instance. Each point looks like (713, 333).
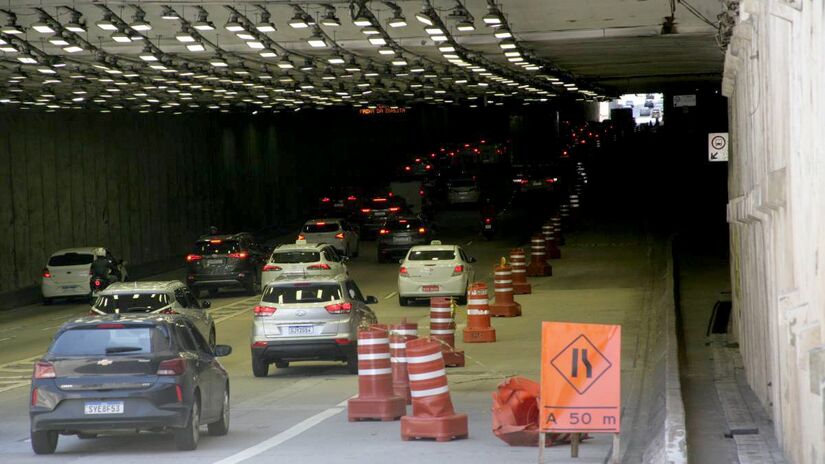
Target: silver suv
(162, 297)
(308, 318)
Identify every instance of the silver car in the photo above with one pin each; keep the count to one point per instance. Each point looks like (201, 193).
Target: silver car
(309, 318)
(162, 297)
(304, 259)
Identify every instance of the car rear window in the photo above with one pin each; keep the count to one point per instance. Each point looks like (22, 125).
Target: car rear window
(302, 293)
(71, 259)
(404, 224)
(321, 227)
(462, 183)
(217, 247)
(132, 302)
(431, 255)
(95, 341)
(291, 257)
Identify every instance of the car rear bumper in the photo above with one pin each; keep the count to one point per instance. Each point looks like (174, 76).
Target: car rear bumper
(219, 280)
(54, 290)
(304, 350)
(139, 413)
(454, 286)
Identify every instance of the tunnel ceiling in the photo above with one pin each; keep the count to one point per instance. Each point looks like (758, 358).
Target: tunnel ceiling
(203, 55)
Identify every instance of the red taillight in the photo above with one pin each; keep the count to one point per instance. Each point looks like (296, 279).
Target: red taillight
(550, 180)
(98, 283)
(318, 267)
(365, 210)
(301, 237)
(179, 393)
(383, 231)
(46, 273)
(524, 181)
(320, 223)
(34, 396)
(421, 193)
(403, 271)
(422, 230)
(216, 241)
(44, 370)
(259, 345)
(174, 366)
(168, 311)
(343, 341)
(190, 258)
(379, 200)
(239, 255)
(110, 326)
(427, 167)
(458, 269)
(395, 209)
(339, 308)
(325, 200)
(352, 198)
(260, 311)
(407, 168)
(272, 267)
(488, 220)
(339, 235)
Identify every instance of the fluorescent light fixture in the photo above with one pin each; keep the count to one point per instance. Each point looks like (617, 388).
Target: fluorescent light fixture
(42, 26)
(493, 17)
(218, 61)
(105, 24)
(203, 23)
(232, 25)
(316, 40)
(397, 20)
(148, 55)
(512, 53)
(386, 51)
(196, 47)
(169, 13)
(245, 35)
(255, 45)
(378, 41)
(267, 53)
(433, 30)
(265, 25)
(120, 37)
(73, 48)
(298, 21)
(336, 59)
(184, 36)
(503, 33)
(46, 70)
(424, 16)
(507, 44)
(439, 38)
(362, 20)
(446, 48)
(370, 30)
(400, 61)
(27, 59)
(465, 26)
(74, 25)
(140, 25)
(285, 63)
(58, 41)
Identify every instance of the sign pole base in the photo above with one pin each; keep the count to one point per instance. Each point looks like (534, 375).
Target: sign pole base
(542, 442)
(574, 445)
(617, 444)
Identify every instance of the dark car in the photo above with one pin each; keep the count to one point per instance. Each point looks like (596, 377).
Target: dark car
(340, 202)
(378, 210)
(128, 373)
(397, 236)
(221, 261)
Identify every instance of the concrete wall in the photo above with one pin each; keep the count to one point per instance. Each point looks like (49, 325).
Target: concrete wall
(774, 71)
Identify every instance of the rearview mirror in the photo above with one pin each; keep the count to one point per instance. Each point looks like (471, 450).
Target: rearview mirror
(206, 304)
(371, 300)
(222, 350)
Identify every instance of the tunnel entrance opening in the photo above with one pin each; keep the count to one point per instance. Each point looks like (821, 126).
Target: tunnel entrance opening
(646, 108)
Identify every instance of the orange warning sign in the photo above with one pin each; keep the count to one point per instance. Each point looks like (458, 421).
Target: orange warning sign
(580, 377)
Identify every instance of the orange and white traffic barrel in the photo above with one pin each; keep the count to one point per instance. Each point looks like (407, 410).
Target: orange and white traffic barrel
(557, 221)
(433, 415)
(538, 267)
(400, 334)
(478, 329)
(375, 399)
(518, 261)
(504, 305)
(442, 328)
(548, 231)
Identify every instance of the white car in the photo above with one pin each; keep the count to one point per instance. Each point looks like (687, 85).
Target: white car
(435, 270)
(169, 297)
(339, 233)
(67, 272)
(461, 191)
(302, 258)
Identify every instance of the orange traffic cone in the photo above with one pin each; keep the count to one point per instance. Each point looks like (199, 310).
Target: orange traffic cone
(478, 328)
(504, 306)
(549, 234)
(519, 265)
(400, 334)
(375, 393)
(442, 328)
(538, 266)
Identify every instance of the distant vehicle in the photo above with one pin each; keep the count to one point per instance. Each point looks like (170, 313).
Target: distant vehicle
(656, 113)
(339, 233)
(340, 202)
(412, 192)
(309, 318)
(462, 191)
(127, 373)
(67, 272)
(379, 209)
(225, 261)
(302, 258)
(435, 270)
(167, 297)
(397, 236)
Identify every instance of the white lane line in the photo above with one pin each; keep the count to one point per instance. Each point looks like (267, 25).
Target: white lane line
(390, 295)
(282, 437)
(4, 339)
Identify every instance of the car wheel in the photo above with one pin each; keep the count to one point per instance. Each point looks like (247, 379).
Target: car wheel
(44, 441)
(47, 301)
(221, 426)
(281, 364)
(352, 363)
(86, 436)
(186, 439)
(403, 301)
(213, 339)
(260, 368)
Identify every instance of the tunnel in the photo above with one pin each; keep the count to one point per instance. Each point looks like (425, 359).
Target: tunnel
(346, 219)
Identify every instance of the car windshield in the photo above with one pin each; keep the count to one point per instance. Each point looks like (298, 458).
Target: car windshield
(217, 247)
(71, 259)
(431, 255)
(302, 293)
(132, 302)
(461, 183)
(291, 257)
(404, 224)
(321, 227)
(109, 339)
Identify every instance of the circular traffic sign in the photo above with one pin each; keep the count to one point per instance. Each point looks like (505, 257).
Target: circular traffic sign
(718, 142)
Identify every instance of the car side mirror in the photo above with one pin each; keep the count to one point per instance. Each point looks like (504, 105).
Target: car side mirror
(400, 261)
(371, 300)
(222, 350)
(345, 259)
(206, 304)
(471, 260)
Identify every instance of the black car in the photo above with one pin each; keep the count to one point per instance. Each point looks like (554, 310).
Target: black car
(397, 236)
(220, 261)
(127, 373)
(378, 210)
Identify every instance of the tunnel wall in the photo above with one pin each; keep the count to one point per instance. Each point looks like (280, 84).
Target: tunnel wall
(774, 71)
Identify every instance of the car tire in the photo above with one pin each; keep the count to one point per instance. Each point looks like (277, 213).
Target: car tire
(281, 364)
(47, 301)
(220, 427)
(186, 438)
(44, 441)
(403, 301)
(352, 363)
(260, 368)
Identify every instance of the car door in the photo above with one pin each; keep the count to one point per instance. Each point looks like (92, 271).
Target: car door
(465, 261)
(210, 374)
(336, 263)
(358, 301)
(197, 314)
(190, 352)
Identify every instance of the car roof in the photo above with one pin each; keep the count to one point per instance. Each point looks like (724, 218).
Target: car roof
(81, 250)
(315, 221)
(235, 236)
(301, 246)
(146, 286)
(434, 247)
(125, 319)
(297, 278)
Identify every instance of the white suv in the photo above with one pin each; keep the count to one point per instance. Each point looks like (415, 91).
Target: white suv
(435, 270)
(303, 258)
(339, 233)
(67, 272)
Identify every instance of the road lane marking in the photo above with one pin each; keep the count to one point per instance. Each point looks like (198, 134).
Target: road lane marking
(282, 437)
(390, 295)
(4, 339)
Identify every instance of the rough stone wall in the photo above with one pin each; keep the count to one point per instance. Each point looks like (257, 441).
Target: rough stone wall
(774, 74)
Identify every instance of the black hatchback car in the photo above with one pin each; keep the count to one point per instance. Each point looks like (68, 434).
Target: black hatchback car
(397, 236)
(221, 261)
(127, 373)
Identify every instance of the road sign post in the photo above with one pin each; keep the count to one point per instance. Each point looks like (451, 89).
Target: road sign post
(581, 380)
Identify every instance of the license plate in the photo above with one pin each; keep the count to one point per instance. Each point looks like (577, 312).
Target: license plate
(402, 240)
(380, 213)
(488, 226)
(536, 184)
(214, 262)
(430, 288)
(300, 330)
(68, 287)
(103, 407)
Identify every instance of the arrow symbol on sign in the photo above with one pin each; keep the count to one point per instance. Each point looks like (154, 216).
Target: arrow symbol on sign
(714, 156)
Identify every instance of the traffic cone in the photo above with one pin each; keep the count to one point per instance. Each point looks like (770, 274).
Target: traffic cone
(504, 306)
(375, 393)
(478, 328)
(549, 233)
(433, 415)
(400, 334)
(538, 267)
(519, 264)
(557, 223)
(442, 328)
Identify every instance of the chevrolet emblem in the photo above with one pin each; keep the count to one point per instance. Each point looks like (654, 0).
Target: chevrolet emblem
(104, 362)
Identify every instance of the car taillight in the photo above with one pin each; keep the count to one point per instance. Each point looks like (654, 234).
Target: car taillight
(318, 267)
(422, 230)
(44, 370)
(421, 193)
(34, 396)
(259, 345)
(98, 283)
(239, 255)
(179, 393)
(403, 271)
(352, 198)
(272, 267)
(365, 210)
(325, 200)
(110, 326)
(339, 308)
(395, 209)
(260, 311)
(343, 341)
(216, 241)
(458, 269)
(301, 237)
(174, 366)
(46, 273)
(383, 231)
(488, 220)
(168, 311)
(339, 235)
(190, 258)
